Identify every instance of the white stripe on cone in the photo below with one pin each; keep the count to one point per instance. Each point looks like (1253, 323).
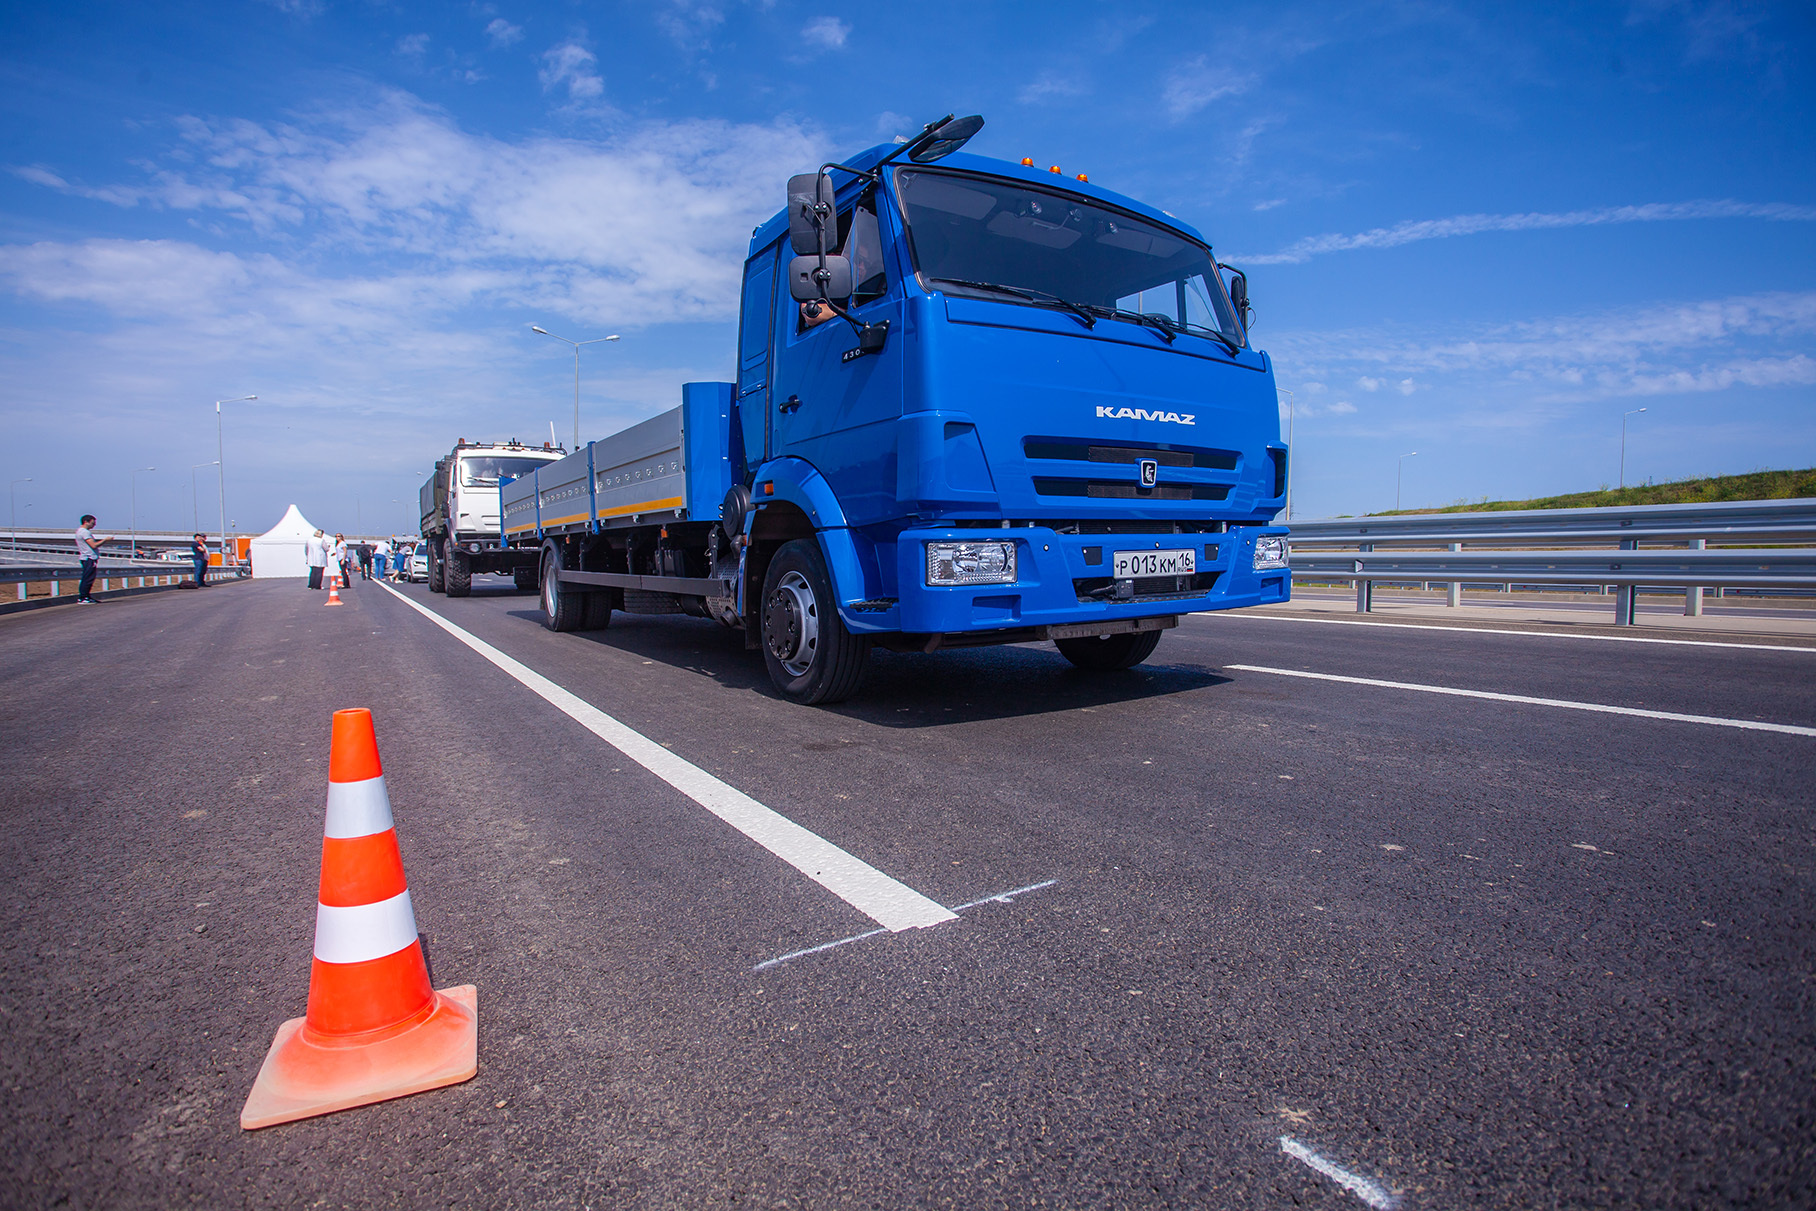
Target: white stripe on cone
(363, 932)
(358, 809)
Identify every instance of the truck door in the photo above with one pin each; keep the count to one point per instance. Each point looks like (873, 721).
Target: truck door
(753, 354)
(835, 411)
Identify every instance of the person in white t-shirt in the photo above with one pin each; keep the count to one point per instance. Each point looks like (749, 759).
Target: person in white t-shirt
(381, 555)
(88, 550)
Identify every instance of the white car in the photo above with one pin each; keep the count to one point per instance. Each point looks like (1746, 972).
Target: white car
(419, 568)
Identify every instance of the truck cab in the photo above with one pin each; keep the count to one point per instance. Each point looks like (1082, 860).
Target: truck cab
(461, 513)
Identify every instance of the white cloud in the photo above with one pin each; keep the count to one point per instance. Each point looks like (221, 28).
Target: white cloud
(1051, 87)
(1405, 386)
(1368, 384)
(1194, 85)
(503, 33)
(826, 33)
(690, 22)
(571, 64)
(413, 45)
(1474, 224)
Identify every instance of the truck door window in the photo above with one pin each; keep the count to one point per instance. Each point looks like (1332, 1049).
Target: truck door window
(753, 335)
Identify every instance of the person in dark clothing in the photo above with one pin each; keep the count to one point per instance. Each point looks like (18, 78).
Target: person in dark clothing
(198, 555)
(365, 560)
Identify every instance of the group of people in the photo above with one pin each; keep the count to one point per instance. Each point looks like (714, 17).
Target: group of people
(367, 559)
(88, 551)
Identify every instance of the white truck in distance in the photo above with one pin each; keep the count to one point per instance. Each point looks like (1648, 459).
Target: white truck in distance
(460, 514)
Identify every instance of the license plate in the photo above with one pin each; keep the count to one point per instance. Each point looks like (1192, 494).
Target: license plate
(1132, 564)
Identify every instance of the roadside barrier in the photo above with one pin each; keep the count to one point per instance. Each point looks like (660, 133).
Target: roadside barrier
(374, 1029)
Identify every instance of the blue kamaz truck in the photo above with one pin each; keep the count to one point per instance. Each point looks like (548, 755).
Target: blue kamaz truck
(976, 403)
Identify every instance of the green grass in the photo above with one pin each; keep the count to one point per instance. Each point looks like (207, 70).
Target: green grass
(1756, 485)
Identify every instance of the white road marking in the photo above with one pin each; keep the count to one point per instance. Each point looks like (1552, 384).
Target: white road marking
(1361, 1187)
(1001, 897)
(1753, 725)
(893, 905)
(1419, 626)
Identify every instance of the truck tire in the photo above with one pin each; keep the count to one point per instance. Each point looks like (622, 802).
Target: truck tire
(561, 611)
(457, 576)
(434, 561)
(811, 657)
(524, 579)
(598, 611)
(1101, 652)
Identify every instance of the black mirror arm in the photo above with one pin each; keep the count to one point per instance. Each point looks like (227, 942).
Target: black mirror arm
(870, 336)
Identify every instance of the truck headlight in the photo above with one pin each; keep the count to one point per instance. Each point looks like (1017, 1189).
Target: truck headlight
(952, 563)
(1270, 551)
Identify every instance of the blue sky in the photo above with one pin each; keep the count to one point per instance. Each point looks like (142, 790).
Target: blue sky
(1478, 232)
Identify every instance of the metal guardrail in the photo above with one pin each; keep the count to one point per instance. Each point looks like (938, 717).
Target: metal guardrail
(125, 575)
(1535, 547)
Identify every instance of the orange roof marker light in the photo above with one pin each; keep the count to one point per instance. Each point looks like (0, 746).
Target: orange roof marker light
(1055, 168)
(1084, 178)
(1027, 161)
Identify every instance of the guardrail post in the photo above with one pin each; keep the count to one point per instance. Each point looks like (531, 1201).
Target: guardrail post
(1626, 596)
(54, 586)
(1365, 595)
(1453, 592)
(1693, 594)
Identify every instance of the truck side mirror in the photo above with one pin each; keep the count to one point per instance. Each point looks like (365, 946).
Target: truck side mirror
(810, 211)
(1239, 291)
(807, 282)
(945, 139)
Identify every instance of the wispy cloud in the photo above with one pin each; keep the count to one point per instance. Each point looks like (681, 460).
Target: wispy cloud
(1195, 84)
(572, 65)
(826, 33)
(1474, 224)
(1051, 86)
(502, 33)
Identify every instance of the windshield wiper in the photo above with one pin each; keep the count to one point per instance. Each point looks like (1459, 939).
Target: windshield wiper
(1023, 292)
(1158, 323)
(1223, 338)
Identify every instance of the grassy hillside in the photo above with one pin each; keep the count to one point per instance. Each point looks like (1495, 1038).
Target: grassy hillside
(1757, 485)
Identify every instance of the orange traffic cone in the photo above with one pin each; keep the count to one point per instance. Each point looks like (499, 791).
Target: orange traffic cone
(374, 1028)
(334, 597)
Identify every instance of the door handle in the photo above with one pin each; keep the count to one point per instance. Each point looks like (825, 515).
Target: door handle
(791, 404)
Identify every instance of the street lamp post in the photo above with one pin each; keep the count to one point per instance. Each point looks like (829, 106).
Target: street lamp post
(576, 344)
(1400, 476)
(12, 509)
(220, 460)
(195, 510)
(1624, 417)
(1289, 452)
(134, 477)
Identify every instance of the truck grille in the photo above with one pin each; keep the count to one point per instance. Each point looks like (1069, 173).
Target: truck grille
(1165, 455)
(1122, 490)
(1147, 588)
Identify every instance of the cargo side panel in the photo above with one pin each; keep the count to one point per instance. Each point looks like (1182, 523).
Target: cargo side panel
(638, 472)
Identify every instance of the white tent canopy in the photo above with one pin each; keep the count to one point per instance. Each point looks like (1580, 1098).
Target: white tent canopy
(279, 550)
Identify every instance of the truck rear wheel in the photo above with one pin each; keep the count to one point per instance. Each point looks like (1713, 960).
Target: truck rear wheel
(561, 611)
(524, 579)
(598, 611)
(458, 575)
(435, 567)
(1109, 651)
(811, 657)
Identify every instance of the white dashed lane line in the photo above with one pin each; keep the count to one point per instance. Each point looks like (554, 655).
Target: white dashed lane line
(1752, 725)
(891, 904)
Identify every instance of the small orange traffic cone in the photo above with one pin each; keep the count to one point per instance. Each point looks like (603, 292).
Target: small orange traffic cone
(374, 1028)
(334, 597)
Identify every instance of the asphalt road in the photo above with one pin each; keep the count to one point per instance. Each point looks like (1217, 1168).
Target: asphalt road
(1459, 952)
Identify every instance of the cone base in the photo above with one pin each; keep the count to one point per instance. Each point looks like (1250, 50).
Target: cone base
(301, 1079)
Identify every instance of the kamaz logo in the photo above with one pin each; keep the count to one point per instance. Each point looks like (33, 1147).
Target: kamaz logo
(1172, 418)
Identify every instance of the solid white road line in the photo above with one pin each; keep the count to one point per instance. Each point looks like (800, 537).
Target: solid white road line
(1421, 626)
(1001, 897)
(1753, 725)
(893, 905)
(1361, 1187)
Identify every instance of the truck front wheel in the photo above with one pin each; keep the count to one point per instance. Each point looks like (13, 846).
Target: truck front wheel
(459, 572)
(1109, 651)
(561, 611)
(811, 657)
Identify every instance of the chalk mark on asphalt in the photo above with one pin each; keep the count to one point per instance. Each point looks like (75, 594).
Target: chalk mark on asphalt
(1369, 1192)
(891, 904)
(1469, 630)
(1754, 725)
(1001, 897)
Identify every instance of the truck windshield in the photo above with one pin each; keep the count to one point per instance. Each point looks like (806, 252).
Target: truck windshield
(484, 471)
(994, 238)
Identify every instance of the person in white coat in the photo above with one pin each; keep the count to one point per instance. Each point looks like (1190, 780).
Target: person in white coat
(315, 554)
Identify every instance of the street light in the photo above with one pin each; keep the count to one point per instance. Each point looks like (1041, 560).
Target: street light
(1624, 417)
(195, 512)
(1289, 451)
(576, 345)
(134, 477)
(1400, 476)
(220, 460)
(13, 509)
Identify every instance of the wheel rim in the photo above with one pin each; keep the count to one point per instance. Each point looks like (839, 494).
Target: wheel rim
(548, 593)
(791, 623)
